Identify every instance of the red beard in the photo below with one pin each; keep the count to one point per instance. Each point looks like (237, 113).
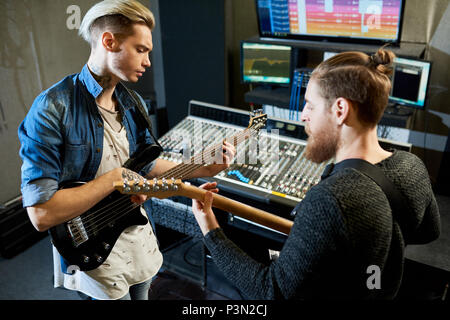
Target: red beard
(322, 146)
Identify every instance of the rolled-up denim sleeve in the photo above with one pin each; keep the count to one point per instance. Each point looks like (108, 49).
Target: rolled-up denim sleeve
(41, 140)
(38, 191)
(148, 168)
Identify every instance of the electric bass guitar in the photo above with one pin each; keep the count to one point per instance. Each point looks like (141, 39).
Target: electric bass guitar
(87, 240)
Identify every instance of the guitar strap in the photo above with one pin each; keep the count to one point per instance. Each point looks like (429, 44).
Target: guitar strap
(144, 113)
(141, 157)
(397, 201)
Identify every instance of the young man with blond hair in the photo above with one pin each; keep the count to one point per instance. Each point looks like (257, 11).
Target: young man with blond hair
(84, 128)
(345, 230)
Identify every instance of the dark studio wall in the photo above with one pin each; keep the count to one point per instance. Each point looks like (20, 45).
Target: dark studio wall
(192, 40)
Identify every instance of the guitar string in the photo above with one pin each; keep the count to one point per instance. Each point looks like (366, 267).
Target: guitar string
(111, 206)
(236, 140)
(180, 171)
(209, 149)
(89, 218)
(90, 231)
(121, 201)
(111, 216)
(92, 221)
(104, 220)
(107, 208)
(177, 170)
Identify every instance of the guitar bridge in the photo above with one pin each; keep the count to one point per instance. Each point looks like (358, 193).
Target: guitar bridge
(77, 231)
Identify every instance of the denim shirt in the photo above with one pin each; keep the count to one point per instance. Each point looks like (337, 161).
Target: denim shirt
(62, 135)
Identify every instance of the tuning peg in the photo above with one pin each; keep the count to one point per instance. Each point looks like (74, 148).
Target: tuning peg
(164, 185)
(174, 186)
(126, 186)
(155, 185)
(136, 185)
(145, 185)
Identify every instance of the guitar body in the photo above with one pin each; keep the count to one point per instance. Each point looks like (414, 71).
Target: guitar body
(87, 241)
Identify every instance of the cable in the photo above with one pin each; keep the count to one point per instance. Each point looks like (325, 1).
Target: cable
(298, 93)
(291, 101)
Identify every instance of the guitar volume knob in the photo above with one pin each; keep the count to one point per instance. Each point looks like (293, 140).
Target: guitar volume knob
(98, 258)
(106, 246)
(85, 259)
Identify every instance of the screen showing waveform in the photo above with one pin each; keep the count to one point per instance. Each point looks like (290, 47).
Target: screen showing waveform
(358, 19)
(265, 63)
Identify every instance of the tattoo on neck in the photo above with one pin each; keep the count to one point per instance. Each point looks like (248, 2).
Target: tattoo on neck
(105, 81)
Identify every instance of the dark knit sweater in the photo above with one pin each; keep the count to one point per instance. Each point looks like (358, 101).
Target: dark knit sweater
(343, 226)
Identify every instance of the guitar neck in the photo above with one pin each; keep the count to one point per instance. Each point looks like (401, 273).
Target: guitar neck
(163, 189)
(250, 213)
(208, 155)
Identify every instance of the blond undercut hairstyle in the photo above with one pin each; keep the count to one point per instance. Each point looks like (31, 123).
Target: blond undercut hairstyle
(115, 16)
(360, 78)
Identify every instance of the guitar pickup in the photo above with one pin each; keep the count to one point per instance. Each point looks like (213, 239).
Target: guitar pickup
(77, 231)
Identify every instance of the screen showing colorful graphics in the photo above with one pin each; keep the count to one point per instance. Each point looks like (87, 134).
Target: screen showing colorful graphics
(370, 20)
(410, 82)
(265, 63)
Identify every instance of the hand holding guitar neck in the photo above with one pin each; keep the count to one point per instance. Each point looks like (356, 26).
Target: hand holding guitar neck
(203, 209)
(128, 175)
(195, 166)
(225, 157)
(163, 189)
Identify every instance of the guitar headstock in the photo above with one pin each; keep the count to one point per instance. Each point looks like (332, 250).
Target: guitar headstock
(257, 120)
(161, 188)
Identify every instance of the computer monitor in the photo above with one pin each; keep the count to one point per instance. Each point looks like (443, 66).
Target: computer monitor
(366, 21)
(265, 63)
(410, 82)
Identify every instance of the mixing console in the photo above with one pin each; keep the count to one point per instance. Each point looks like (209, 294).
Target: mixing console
(273, 164)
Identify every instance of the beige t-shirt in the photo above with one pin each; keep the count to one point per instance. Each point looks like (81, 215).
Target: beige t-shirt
(135, 257)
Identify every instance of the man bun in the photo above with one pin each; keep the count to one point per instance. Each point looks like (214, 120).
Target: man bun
(382, 61)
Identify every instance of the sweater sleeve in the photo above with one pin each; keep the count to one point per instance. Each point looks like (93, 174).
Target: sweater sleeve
(317, 230)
